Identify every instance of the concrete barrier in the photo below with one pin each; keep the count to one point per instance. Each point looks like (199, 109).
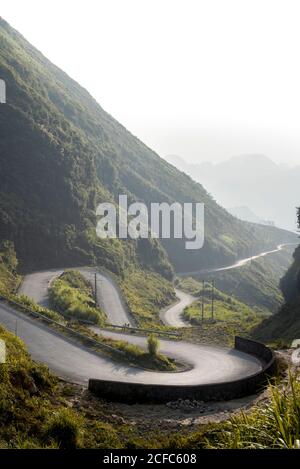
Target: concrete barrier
(138, 393)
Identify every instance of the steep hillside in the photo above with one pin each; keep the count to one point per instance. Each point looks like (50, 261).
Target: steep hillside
(61, 154)
(258, 282)
(285, 325)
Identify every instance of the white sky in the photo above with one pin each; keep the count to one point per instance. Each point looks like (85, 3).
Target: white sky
(200, 79)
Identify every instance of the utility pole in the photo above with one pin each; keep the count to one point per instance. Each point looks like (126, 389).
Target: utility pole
(95, 289)
(212, 298)
(202, 304)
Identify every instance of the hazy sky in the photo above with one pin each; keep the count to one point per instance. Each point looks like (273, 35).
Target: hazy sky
(200, 79)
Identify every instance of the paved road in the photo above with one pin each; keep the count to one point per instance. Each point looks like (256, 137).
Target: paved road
(75, 363)
(172, 315)
(237, 264)
(36, 287)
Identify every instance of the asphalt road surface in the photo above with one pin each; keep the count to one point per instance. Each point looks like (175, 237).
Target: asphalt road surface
(172, 315)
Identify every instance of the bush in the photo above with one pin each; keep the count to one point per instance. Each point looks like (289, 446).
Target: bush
(153, 345)
(71, 295)
(64, 429)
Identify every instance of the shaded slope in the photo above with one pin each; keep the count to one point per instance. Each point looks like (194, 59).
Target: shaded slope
(285, 325)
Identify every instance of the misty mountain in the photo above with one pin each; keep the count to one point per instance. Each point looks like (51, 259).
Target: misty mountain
(268, 189)
(244, 213)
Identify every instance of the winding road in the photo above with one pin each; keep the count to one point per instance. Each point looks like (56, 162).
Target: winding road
(172, 315)
(36, 286)
(71, 361)
(237, 264)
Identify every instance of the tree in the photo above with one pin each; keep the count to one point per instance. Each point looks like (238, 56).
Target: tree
(153, 345)
(8, 254)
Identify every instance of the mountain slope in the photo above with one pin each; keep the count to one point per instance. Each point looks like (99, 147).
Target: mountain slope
(285, 325)
(61, 154)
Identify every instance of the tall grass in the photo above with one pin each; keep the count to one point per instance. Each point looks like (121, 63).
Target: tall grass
(276, 425)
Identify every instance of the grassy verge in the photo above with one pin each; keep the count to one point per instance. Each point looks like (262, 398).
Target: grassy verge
(34, 412)
(71, 294)
(138, 356)
(146, 293)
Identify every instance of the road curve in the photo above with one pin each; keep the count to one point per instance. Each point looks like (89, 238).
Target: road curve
(237, 264)
(36, 286)
(73, 362)
(172, 315)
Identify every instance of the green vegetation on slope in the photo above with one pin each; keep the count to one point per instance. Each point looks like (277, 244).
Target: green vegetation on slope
(33, 411)
(225, 308)
(71, 295)
(9, 279)
(256, 283)
(285, 325)
(146, 294)
(231, 316)
(281, 328)
(61, 154)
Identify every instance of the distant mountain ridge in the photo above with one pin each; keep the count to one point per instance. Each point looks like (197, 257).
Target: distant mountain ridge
(61, 154)
(244, 213)
(268, 189)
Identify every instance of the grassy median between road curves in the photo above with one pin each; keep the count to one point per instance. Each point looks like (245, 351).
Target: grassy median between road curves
(72, 295)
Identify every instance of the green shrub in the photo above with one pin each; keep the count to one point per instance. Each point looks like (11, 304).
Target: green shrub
(153, 345)
(64, 428)
(103, 436)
